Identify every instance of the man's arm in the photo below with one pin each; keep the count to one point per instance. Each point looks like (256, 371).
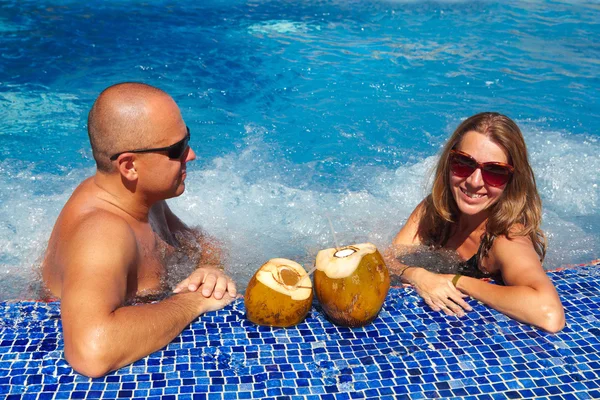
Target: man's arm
(210, 250)
(101, 334)
(209, 274)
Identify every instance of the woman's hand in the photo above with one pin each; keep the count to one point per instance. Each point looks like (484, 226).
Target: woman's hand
(212, 280)
(439, 293)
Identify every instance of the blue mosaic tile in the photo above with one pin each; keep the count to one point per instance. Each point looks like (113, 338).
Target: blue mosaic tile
(407, 353)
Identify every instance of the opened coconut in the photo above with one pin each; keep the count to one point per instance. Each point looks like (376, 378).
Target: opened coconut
(279, 294)
(351, 283)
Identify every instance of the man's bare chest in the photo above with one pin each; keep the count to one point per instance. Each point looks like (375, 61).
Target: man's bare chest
(151, 267)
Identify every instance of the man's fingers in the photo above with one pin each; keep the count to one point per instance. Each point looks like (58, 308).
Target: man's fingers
(195, 280)
(220, 287)
(181, 285)
(210, 280)
(231, 289)
(224, 300)
(214, 304)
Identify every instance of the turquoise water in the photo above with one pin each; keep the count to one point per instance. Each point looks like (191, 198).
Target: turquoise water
(299, 110)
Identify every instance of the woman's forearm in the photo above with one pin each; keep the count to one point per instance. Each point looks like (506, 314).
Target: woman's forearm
(397, 269)
(409, 273)
(538, 307)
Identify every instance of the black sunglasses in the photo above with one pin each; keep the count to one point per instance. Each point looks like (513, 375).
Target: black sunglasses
(174, 151)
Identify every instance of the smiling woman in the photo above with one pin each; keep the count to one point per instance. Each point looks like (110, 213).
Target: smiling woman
(473, 192)
(484, 205)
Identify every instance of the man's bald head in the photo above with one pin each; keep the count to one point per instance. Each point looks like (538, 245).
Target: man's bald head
(120, 120)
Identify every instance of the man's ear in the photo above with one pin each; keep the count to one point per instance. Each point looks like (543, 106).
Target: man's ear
(126, 167)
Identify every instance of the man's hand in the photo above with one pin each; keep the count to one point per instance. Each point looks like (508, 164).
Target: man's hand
(213, 304)
(212, 280)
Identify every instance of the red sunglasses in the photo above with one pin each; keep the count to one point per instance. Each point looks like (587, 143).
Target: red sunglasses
(493, 173)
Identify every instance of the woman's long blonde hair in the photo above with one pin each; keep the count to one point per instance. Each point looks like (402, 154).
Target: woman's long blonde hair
(519, 209)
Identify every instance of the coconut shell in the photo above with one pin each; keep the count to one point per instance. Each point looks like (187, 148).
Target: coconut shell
(271, 298)
(355, 298)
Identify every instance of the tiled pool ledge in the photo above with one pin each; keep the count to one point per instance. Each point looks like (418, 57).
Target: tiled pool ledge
(408, 352)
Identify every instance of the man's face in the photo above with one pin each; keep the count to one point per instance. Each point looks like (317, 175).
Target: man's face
(160, 176)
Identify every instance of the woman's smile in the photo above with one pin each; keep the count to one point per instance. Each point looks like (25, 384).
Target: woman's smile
(471, 194)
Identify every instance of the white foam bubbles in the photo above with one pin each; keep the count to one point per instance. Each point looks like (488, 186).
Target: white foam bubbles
(566, 169)
(259, 219)
(27, 215)
(267, 217)
(38, 107)
(279, 27)
(569, 242)
(247, 200)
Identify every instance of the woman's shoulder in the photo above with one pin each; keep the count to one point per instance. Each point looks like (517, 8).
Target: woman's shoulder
(509, 241)
(513, 237)
(420, 208)
(512, 246)
(409, 233)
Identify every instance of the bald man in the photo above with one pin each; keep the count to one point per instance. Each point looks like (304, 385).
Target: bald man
(109, 242)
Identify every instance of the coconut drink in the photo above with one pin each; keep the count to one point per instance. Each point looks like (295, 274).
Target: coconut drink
(279, 294)
(351, 283)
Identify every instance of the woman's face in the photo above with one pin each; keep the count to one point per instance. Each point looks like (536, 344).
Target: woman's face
(472, 195)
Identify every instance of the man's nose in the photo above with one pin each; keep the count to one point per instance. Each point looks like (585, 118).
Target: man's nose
(191, 154)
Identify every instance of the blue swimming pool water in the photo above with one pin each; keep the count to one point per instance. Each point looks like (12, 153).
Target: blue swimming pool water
(298, 110)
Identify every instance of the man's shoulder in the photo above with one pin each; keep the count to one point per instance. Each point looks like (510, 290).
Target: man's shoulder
(96, 230)
(87, 208)
(86, 236)
(100, 219)
(86, 214)
(96, 239)
(75, 218)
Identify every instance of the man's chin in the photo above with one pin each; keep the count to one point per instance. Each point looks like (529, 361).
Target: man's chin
(180, 189)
